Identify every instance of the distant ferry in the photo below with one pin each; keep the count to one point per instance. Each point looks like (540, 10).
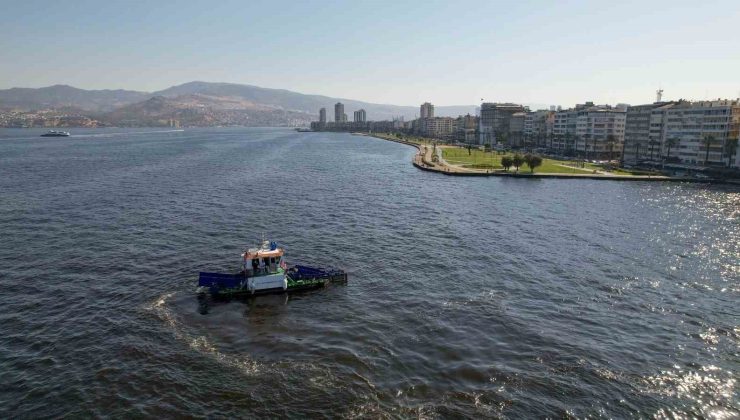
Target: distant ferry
(52, 133)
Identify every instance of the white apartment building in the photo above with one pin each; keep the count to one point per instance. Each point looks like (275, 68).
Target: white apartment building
(643, 133)
(360, 116)
(600, 132)
(690, 124)
(596, 131)
(538, 126)
(439, 127)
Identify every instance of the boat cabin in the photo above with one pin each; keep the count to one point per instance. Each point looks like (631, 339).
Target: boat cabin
(266, 260)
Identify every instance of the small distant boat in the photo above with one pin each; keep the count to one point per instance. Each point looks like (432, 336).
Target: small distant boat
(303, 130)
(52, 133)
(264, 271)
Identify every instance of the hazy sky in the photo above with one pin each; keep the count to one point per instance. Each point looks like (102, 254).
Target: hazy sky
(395, 52)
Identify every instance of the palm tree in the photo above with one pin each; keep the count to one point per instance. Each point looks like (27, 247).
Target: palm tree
(624, 147)
(730, 149)
(670, 142)
(637, 153)
(611, 140)
(707, 141)
(568, 138)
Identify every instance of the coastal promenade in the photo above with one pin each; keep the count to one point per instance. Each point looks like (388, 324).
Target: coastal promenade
(424, 160)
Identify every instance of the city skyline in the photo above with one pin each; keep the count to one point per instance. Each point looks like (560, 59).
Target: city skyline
(532, 56)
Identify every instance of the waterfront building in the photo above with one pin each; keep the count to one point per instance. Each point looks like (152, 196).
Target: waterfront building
(495, 121)
(339, 115)
(563, 130)
(322, 116)
(683, 132)
(360, 116)
(426, 110)
(643, 133)
(466, 129)
(516, 129)
(436, 127)
(700, 132)
(593, 131)
(538, 126)
(600, 132)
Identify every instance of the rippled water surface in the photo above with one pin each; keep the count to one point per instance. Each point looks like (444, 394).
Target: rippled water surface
(467, 297)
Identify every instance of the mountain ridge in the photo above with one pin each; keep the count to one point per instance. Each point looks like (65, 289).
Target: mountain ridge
(105, 100)
(222, 102)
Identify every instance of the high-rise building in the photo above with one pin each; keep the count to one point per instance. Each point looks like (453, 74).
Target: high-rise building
(339, 115)
(360, 116)
(495, 121)
(322, 116)
(427, 110)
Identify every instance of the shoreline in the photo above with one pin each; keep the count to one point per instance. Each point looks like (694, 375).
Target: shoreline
(422, 161)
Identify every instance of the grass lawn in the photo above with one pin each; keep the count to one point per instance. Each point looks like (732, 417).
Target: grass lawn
(482, 160)
(478, 159)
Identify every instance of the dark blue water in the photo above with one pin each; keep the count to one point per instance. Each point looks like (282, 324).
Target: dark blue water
(467, 297)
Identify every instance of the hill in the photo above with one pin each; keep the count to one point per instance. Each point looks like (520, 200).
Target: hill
(197, 110)
(60, 96)
(203, 103)
(293, 101)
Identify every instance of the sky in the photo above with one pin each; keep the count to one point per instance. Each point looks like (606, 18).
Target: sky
(394, 52)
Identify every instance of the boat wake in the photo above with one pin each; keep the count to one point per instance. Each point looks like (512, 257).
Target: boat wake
(199, 343)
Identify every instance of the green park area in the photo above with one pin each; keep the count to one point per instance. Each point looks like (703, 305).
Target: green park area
(476, 158)
(479, 159)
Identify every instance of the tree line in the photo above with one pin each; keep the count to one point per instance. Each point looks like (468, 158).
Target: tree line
(533, 161)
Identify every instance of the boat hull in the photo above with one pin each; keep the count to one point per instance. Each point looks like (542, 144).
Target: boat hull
(297, 278)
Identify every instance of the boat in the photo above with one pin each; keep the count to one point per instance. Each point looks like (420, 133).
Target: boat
(304, 130)
(52, 133)
(264, 271)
